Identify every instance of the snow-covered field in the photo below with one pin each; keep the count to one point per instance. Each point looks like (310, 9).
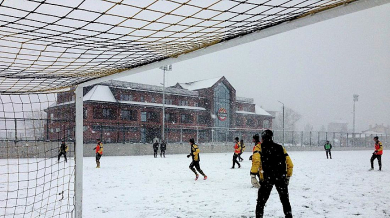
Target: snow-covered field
(142, 186)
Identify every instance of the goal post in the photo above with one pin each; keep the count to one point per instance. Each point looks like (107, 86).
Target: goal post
(79, 153)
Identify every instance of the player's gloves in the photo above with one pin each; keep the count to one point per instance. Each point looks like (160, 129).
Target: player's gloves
(188, 156)
(250, 158)
(94, 149)
(288, 180)
(254, 181)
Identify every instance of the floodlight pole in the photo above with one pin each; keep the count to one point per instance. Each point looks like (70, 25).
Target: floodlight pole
(283, 120)
(355, 99)
(164, 68)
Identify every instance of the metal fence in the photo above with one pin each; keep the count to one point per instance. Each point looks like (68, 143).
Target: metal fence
(38, 130)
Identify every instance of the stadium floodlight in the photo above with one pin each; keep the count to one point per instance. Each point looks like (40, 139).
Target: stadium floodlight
(164, 68)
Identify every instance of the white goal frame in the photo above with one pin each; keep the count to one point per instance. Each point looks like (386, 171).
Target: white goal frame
(284, 27)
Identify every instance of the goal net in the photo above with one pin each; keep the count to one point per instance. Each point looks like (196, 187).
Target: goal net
(50, 46)
(34, 182)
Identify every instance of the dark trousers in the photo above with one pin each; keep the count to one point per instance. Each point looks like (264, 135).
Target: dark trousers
(60, 154)
(155, 153)
(162, 153)
(195, 164)
(265, 191)
(379, 157)
(239, 157)
(330, 154)
(98, 156)
(235, 160)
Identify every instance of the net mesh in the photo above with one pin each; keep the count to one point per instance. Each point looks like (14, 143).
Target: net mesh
(54, 44)
(34, 181)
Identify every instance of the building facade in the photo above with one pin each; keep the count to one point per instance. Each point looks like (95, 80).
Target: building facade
(119, 111)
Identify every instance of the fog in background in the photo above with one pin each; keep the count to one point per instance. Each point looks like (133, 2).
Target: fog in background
(314, 70)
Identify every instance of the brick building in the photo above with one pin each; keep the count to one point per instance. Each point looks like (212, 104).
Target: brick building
(119, 111)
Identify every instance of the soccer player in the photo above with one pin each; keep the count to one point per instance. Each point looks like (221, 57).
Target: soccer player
(327, 148)
(377, 153)
(99, 152)
(274, 168)
(237, 150)
(155, 148)
(195, 160)
(63, 150)
(163, 147)
(242, 145)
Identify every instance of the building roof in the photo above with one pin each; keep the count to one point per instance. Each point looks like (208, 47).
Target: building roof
(201, 84)
(149, 88)
(100, 93)
(258, 111)
(160, 105)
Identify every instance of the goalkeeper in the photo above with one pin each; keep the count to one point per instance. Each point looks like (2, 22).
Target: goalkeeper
(62, 151)
(271, 163)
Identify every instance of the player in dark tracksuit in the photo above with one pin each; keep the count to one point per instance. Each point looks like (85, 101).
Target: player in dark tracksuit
(195, 160)
(63, 150)
(163, 147)
(327, 148)
(155, 148)
(274, 168)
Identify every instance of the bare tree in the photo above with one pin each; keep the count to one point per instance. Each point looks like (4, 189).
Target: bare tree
(291, 118)
(35, 122)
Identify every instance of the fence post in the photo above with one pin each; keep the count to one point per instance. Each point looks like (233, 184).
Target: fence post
(310, 138)
(318, 138)
(197, 134)
(302, 139)
(181, 135)
(347, 139)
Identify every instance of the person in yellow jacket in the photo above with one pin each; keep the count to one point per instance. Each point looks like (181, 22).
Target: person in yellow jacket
(271, 163)
(99, 152)
(195, 160)
(242, 145)
(62, 151)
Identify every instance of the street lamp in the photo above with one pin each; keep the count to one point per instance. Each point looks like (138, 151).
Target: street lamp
(355, 99)
(283, 120)
(164, 68)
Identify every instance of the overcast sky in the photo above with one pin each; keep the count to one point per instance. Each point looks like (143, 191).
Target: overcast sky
(314, 70)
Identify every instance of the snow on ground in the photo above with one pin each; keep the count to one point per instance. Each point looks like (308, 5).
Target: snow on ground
(142, 186)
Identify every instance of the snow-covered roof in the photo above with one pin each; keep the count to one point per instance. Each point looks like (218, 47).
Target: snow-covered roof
(160, 105)
(258, 111)
(100, 93)
(146, 87)
(201, 84)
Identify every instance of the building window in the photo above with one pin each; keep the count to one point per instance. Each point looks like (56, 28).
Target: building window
(168, 101)
(152, 116)
(129, 115)
(170, 117)
(104, 113)
(251, 122)
(142, 99)
(266, 124)
(85, 113)
(126, 97)
(239, 122)
(202, 119)
(183, 103)
(153, 100)
(196, 104)
(143, 116)
(186, 118)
